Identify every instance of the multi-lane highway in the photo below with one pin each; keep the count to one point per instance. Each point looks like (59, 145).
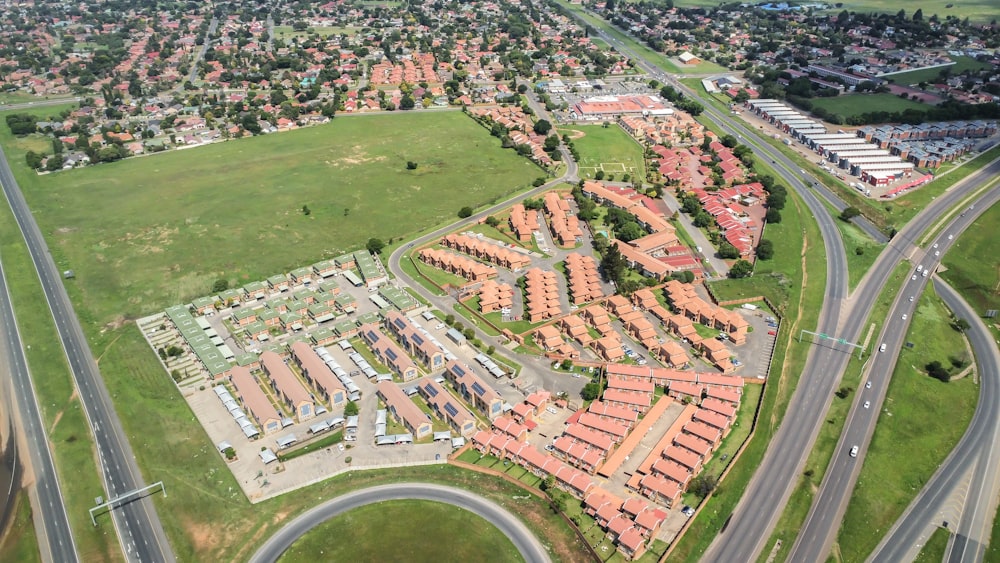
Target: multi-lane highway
(526, 543)
(819, 532)
(55, 537)
(138, 526)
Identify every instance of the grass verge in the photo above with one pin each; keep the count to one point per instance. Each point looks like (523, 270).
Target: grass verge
(375, 531)
(921, 416)
(328, 440)
(933, 550)
(20, 543)
(976, 278)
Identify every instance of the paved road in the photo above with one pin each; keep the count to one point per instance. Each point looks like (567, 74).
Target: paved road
(55, 537)
(526, 543)
(139, 530)
(976, 451)
(823, 522)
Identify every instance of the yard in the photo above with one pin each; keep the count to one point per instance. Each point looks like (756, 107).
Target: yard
(169, 225)
(921, 416)
(609, 149)
(404, 530)
(849, 105)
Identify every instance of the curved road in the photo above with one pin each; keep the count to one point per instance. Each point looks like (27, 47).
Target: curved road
(139, 530)
(525, 542)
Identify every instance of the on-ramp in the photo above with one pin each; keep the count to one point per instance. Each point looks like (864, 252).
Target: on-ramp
(526, 543)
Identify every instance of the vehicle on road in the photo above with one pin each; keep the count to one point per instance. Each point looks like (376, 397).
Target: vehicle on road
(913, 277)
(868, 385)
(868, 404)
(904, 316)
(854, 451)
(911, 299)
(882, 348)
(925, 273)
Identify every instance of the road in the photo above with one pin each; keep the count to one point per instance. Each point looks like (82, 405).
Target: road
(975, 452)
(139, 529)
(526, 543)
(55, 537)
(822, 524)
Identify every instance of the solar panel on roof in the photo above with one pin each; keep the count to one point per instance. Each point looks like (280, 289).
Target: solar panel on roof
(458, 370)
(478, 389)
(389, 353)
(450, 409)
(431, 390)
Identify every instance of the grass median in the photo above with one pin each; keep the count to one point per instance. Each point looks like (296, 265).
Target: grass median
(20, 543)
(923, 417)
(797, 509)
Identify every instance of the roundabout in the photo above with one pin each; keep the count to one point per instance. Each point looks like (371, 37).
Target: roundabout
(509, 525)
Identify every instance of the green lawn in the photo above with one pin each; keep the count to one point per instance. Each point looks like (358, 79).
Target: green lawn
(171, 224)
(315, 445)
(404, 530)
(286, 33)
(921, 416)
(19, 543)
(610, 149)
(933, 550)
(976, 278)
(961, 65)
(855, 241)
(855, 104)
(975, 10)
(800, 502)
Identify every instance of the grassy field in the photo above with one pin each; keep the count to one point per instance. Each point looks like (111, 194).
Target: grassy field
(976, 278)
(60, 408)
(800, 502)
(404, 530)
(19, 543)
(855, 104)
(933, 550)
(961, 65)
(169, 225)
(793, 280)
(855, 240)
(607, 148)
(921, 416)
(285, 32)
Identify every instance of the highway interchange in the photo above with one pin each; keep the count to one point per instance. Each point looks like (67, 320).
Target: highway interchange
(526, 543)
(843, 315)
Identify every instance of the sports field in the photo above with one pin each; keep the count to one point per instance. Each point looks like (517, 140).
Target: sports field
(404, 530)
(856, 104)
(154, 231)
(609, 149)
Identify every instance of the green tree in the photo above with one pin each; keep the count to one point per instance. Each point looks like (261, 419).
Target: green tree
(961, 325)
(465, 212)
(773, 216)
(613, 264)
(351, 409)
(765, 249)
(590, 391)
(741, 269)
(492, 221)
(410, 165)
(849, 213)
(728, 251)
(375, 245)
(407, 102)
(220, 285)
(937, 371)
(542, 127)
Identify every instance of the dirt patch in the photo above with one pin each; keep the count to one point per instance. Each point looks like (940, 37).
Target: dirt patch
(116, 323)
(575, 134)
(64, 230)
(205, 538)
(252, 543)
(59, 414)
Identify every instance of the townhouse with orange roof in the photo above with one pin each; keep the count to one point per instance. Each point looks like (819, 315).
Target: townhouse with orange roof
(404, 410)
(287, 386)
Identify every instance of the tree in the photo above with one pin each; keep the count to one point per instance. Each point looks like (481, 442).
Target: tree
(773, 216)
(765, 249)
(849, 213)
(410, 165)
(937, 371)
(407, 102)
(351, 409)
(703, 484)
(542, 127)
(590, 391)
(220, 285)
(741, 269)
(375, 245)
(465, 212)
(306, 211)
(613, 264)
(961, 325)
(492, 221)
(728, 251)
(33, 159)
(630, 231)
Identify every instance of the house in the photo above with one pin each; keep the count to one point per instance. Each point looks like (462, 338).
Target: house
(509, 427)
(318, 374)
(473, 389)
(447, 407)
(388, 352)
(286, 386)
(404, 410)
(254, 400)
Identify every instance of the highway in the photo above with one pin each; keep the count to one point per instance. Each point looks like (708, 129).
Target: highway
(823, 522)
(526, 543)
(139, 530)
(55, 537)
(976, 452)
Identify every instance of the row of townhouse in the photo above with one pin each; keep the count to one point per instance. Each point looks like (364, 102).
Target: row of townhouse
(630, 522)
(583, 278)
(549, 339)
(523, 222)
(415, 341)
(488, 251)
(457, 264)
(403, 410)
(388, 352)
(685, 300)
(495, 296)
(447, 407)
(473, 389)
(680, 384)
(542, 299)
(525, 412)
(564, 223)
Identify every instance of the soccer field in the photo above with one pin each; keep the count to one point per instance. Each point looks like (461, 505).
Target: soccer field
(154, 231)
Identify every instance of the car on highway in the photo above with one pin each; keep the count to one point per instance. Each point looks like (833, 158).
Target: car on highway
(868, 404)
(925, 273)
(911, 299)
(904, 316)
(854, 451)
(913, 277)
(882, 347)
(937, 253)
(935, 245)
(868, 384)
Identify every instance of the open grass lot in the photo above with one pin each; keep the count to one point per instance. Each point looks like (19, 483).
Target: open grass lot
(855, 241)
(856, 104)
(961, 65)
(933, 550)
(796, 284)
(800, 502)
(922, 417)
(606, 148)
(404, 530)
(968, 269)
(285, 32)
(19, 543)
(167, 226)
(975, 10)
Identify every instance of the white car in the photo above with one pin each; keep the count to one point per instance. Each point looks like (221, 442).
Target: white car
(951, 237)
(937, 253)
(911, 299)
(913, 277)
(935, 245)
(868, 404)
(904, 316)
(925, 273)
(439, 326)
(868, 385)
(854, 451)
